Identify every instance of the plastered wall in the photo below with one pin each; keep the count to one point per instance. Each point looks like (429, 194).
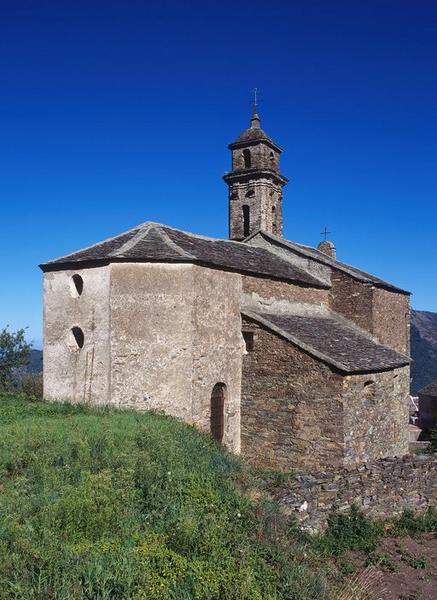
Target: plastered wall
(175, 333)
(71, 373)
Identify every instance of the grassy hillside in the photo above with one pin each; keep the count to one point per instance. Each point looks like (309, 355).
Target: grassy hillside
(99, 505)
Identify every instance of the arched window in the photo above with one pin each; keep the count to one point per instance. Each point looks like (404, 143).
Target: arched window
(217, 411)
(272, 157)
(77, 283)
(78, 336)
(247, 159)
(369, 392)
(246, 220)
(274, 221)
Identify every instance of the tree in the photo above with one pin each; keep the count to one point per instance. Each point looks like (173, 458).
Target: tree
(14, 353)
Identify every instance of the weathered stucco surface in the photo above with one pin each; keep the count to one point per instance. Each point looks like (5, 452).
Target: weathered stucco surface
(70, 373)
(175, 333)
(151, 336)
(217, 349)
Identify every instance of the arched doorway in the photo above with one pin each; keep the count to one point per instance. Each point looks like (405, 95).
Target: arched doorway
(217, 411)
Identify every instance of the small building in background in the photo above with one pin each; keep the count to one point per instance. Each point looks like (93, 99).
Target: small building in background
(428, 406)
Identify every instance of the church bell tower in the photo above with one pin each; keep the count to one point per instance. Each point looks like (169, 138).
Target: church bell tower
(255, 183)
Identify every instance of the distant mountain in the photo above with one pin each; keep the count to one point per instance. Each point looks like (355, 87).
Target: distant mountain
(35, 365)
(423, 348)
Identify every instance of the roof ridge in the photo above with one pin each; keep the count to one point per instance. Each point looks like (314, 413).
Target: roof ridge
(109, 239)
(143, 230)
(164, 235)
(321, 257)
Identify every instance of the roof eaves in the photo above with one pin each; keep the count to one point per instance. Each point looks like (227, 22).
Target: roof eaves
(321, 356)
(316, 353)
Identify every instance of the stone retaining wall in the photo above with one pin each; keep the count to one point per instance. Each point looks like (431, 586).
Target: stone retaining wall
(385, 488)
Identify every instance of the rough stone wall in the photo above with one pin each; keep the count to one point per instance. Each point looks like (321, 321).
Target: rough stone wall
(175, 333)
(391, 319)
(376, 412)
(270, 290)
(262, 157)
(261, 194)
(352, 299)
(384, 313)
(383, 489)
(71, 373)
(291, 408)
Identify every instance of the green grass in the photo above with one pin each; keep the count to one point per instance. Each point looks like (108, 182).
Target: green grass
(104, 504)
(99, 504)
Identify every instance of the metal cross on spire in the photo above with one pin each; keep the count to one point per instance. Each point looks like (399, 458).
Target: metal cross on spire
(325, 232)
(255, 120)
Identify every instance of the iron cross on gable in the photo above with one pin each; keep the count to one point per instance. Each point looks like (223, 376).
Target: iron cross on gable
(325, 232)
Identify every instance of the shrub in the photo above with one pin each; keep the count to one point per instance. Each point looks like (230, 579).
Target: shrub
(351, 531)
(412, 524)
(14, 353)
(31, 384)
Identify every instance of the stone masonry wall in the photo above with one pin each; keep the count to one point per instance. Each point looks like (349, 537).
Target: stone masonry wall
(261, 195)
(391, 319)
(352, 299)
(382, 489)
(384, 313)
(283, 290)
(291, 409)
(376, 412)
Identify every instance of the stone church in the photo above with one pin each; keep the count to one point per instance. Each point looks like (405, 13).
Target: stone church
(277, 349)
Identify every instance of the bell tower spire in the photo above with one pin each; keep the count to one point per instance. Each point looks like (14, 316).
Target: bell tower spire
(255, 121)
(255, 183)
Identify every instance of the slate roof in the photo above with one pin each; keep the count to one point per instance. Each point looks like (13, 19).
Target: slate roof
(152, 242)
(429, 390)
(253, 134)
(324, 259)
(331, 340)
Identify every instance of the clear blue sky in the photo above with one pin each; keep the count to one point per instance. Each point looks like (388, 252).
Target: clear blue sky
(117, 112)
